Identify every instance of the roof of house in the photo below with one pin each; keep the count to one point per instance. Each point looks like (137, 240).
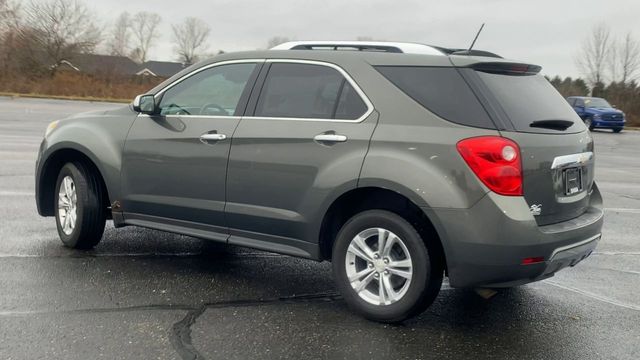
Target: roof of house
(121, 65)
(94, 63)
(160, 68)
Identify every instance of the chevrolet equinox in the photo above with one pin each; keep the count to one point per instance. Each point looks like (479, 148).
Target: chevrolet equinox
(400, 163)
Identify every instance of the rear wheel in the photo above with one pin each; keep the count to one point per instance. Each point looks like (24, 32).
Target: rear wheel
(383, 268)
(80, 213)
(617, 130)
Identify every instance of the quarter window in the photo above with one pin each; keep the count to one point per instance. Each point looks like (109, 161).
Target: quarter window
(308, 91)
(215, 91)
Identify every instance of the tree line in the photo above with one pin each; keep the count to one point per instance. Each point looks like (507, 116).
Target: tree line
(36, 36)
(611, 68)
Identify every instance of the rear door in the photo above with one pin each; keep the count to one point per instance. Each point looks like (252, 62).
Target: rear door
(304, 139)
(557, 149)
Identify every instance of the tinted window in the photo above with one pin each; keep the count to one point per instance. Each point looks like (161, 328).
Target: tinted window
(440, 90)
(526, 99)
(579, 102)
(214, 91)
(571, 101)
(350, 105)
(308, 91)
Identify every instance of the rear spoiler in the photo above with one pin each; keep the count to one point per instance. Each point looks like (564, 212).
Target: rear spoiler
(507, 68)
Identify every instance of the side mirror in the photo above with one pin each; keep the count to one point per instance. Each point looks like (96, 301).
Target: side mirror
(145, 104)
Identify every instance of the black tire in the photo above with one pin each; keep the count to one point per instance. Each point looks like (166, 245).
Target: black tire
(90, 210)
(617, 130)
(426, 277)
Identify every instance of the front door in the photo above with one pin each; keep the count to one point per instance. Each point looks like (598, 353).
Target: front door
(174, 163)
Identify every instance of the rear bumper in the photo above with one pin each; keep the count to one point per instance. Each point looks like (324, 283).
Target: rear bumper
(486, 244)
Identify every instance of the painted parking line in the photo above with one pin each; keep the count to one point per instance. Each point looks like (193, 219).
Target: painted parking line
(594, 296)
(624, 210)
(17, 193)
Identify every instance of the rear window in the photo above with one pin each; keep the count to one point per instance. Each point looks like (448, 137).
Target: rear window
(441, 90)
(293, 90)
(528, 98)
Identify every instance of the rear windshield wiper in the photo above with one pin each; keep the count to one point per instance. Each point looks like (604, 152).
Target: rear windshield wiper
(552, 124)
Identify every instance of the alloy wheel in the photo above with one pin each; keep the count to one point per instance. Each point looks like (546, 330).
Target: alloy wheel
(379, 266)
(67, 205)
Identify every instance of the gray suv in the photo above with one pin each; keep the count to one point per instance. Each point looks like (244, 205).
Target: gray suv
(399, 163)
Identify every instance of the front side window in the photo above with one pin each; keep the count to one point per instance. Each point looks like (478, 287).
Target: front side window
(215, 91)
(293, 90)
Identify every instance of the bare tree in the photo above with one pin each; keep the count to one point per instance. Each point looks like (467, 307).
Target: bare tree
(9, 19)
(59, 30)
(594, 54)
(277, 40)
(120, 42)
(190, 39)
(9, 13)
(143, 28)
(626, 59)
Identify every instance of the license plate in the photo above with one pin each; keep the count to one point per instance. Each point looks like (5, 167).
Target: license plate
(572, 181)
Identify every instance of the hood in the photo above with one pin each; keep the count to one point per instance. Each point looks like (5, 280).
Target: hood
(97, 113)
(602, 111)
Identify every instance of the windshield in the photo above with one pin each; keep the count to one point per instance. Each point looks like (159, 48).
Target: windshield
(596, 103)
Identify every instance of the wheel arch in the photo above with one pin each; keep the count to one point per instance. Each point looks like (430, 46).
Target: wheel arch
(47, 174)
(367, 198)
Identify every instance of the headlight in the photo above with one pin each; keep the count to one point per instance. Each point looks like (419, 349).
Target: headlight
(51, 127)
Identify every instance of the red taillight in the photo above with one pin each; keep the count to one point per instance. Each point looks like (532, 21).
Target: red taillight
(495, 161)
(532, 260)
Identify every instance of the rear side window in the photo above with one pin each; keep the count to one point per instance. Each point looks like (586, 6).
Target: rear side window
(441, 90)
(350, 105)
(529, 98)
(294, 90)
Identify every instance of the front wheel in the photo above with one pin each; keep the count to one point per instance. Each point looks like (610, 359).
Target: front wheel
(617, 130)
(80, 211)
(383, 268)
(588, 123)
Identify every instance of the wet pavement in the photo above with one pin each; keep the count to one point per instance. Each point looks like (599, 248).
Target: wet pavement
(144, 294)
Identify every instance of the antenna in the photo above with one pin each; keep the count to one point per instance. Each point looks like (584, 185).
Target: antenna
(476, 38)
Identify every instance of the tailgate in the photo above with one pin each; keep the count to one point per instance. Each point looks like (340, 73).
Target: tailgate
(557, 174)
(556, 147)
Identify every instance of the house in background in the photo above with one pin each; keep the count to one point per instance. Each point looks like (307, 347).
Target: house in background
(163, 69)
(100, 64)
(118, 66)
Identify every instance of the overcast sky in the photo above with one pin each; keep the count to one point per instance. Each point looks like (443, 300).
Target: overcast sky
(544, 32)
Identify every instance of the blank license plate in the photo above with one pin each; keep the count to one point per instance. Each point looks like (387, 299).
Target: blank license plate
(572, 181)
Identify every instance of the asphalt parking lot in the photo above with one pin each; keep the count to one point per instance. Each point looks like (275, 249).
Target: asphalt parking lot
(144, 294)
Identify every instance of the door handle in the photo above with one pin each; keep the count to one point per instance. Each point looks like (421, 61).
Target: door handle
(212, 137)
(330, 138)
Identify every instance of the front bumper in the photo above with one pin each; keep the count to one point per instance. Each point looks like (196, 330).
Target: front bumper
(486, 244)
(607, 124)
